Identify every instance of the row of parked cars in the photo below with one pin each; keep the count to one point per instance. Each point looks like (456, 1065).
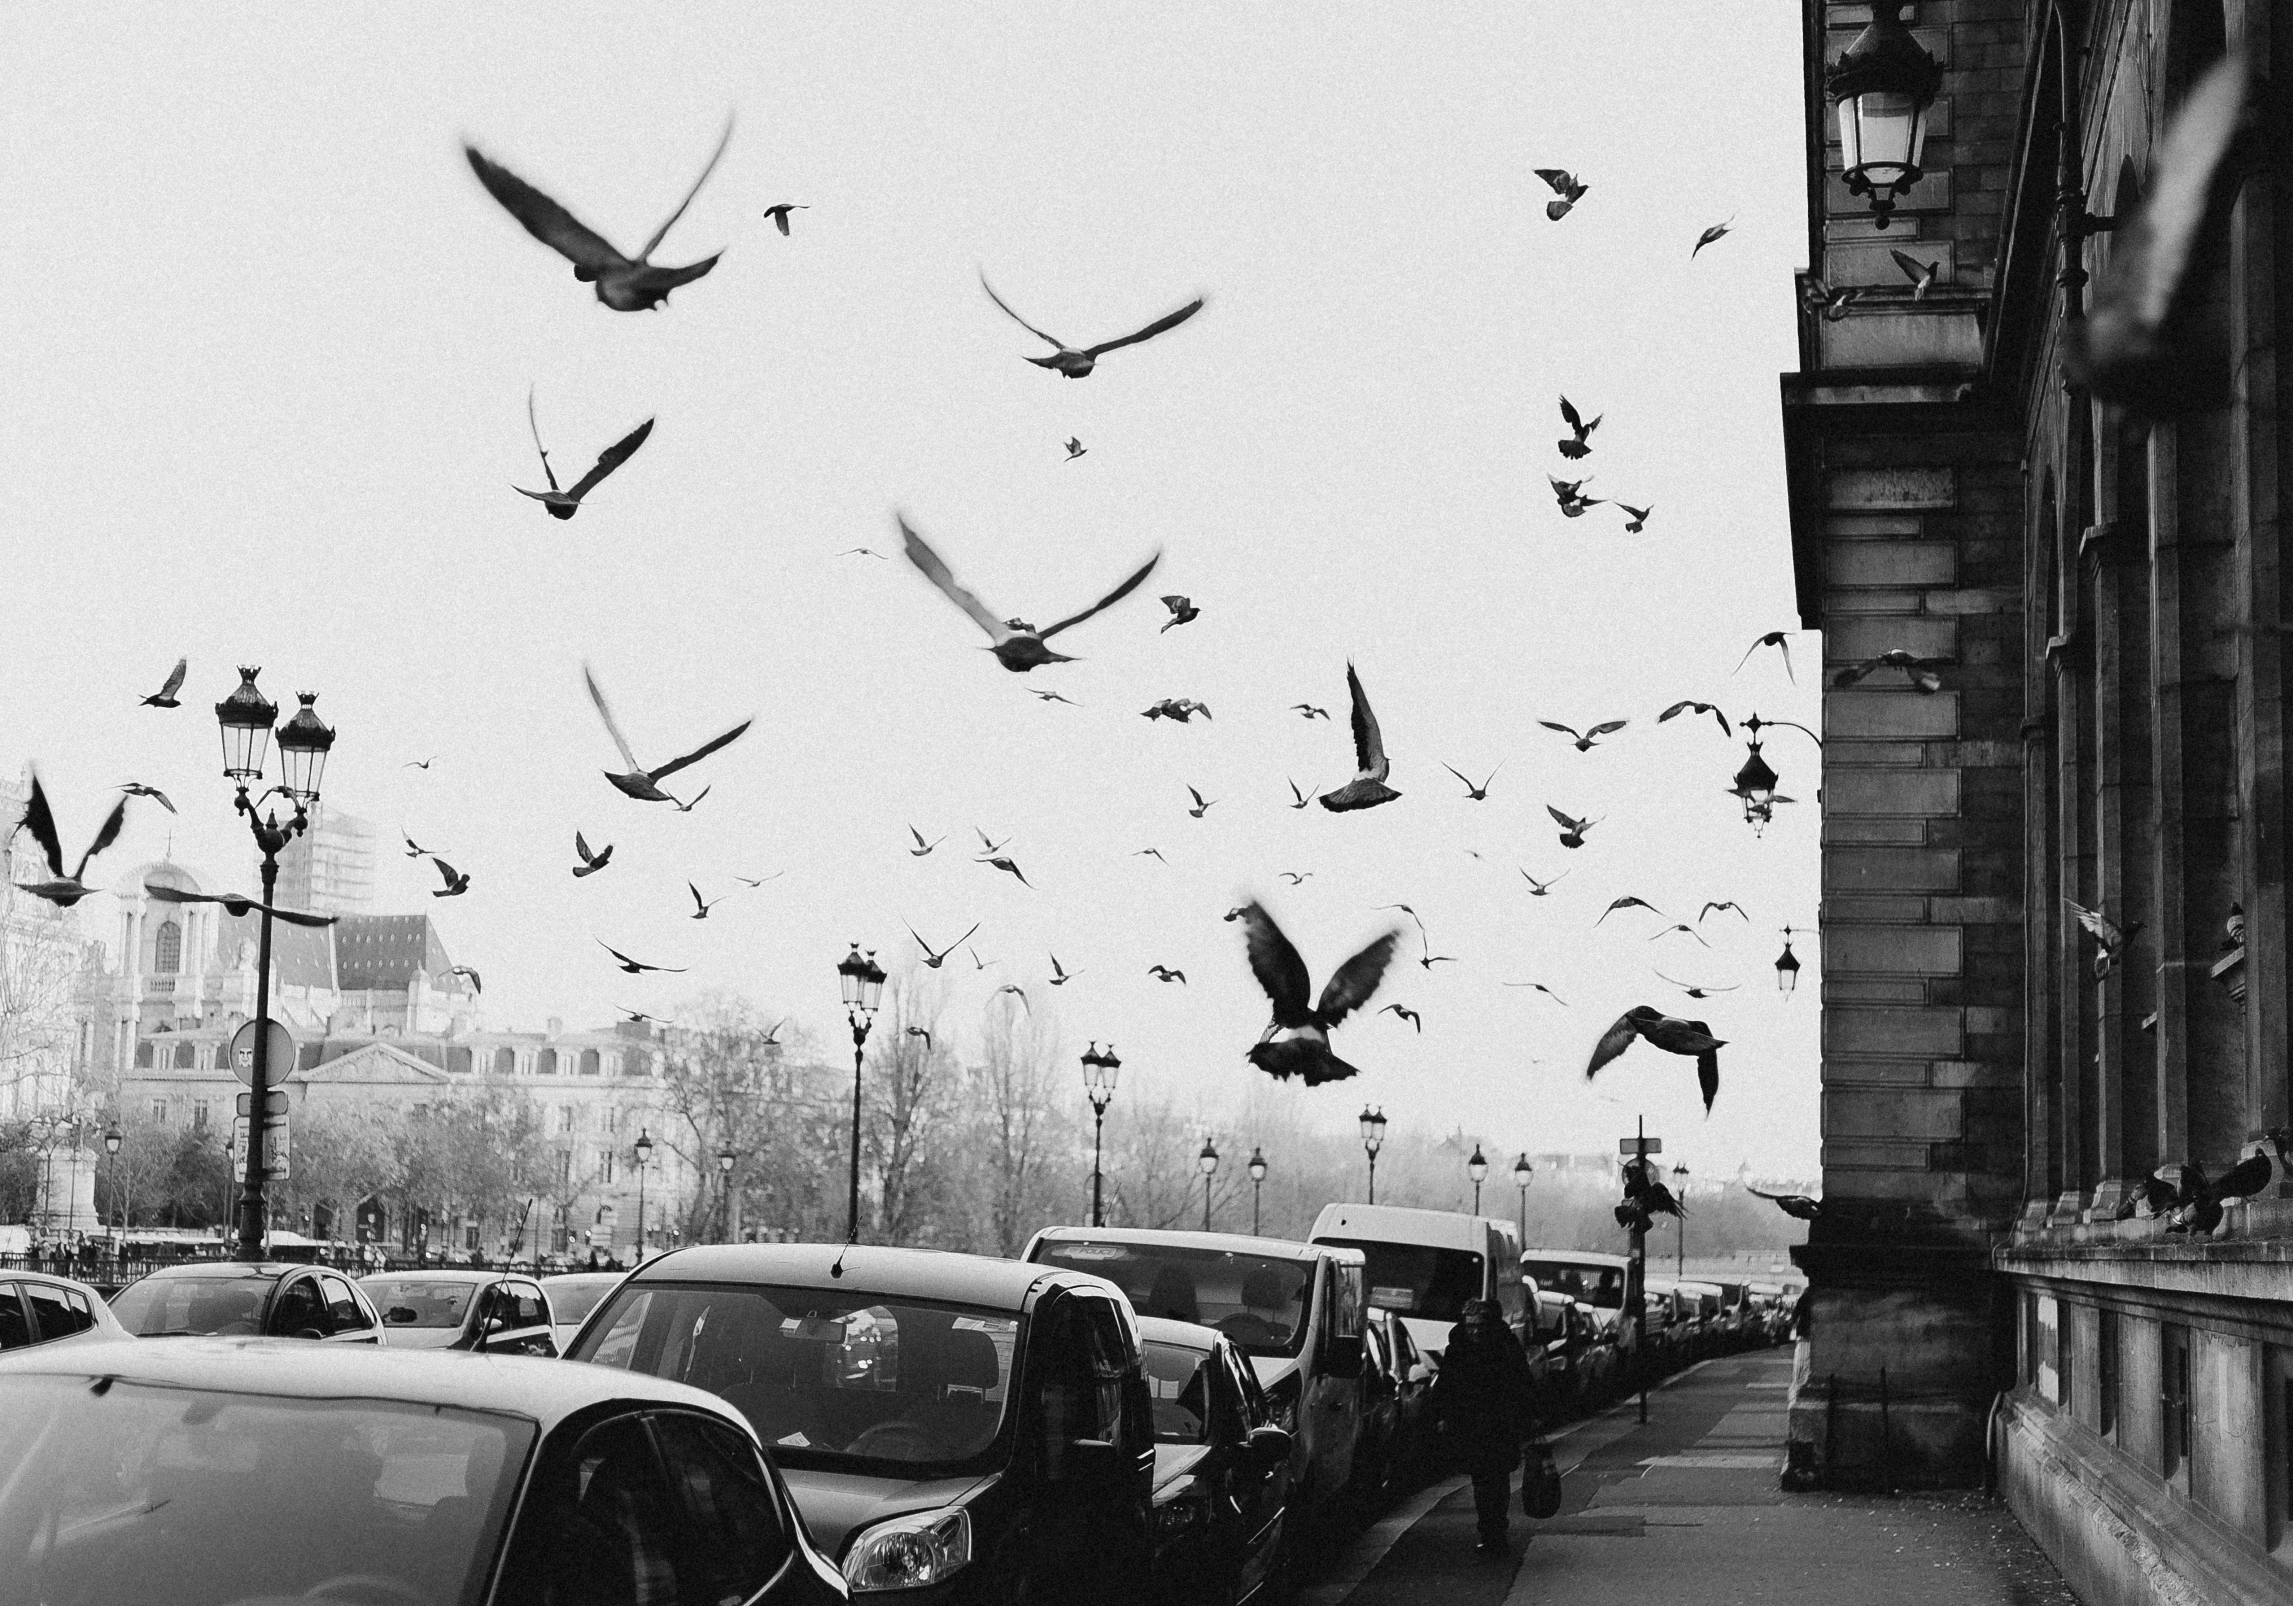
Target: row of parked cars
(1116, 1416)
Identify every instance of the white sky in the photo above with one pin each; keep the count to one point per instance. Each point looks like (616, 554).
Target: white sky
(267, 357)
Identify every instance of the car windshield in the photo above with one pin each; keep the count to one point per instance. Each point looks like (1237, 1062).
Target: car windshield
(1259, 1301)
(133, 1493)
(166, 1306)
(407, 1303)
(1601, 1287)
(826, 1378)
(1418, 1279)
(569, 1302)
(1178, 1380)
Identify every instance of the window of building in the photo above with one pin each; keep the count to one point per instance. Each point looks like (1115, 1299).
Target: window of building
(143, 1054)
(2174, 1395)
(612, 1119)
(2029, 1340)
(564, 1167)
(158, 1108)
(470, 1235)
(458, 1061)
(564, 1118)
(2277, 1408)
(588, 1062)
(199, 1115)
(2106, 1375)
(167, 949)
(187, 1056)
(505, 1062)
(545, 1062)
(605, 1165)
(2065, 1352)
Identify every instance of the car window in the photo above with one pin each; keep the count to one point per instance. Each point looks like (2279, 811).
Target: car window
(227, 1305)
(344, 1313)
(57, 1312)
(1259, 1301)
(298, 1309)
(570, 1302)
(735, 1524)
(405, 1302)
(1242, 1387)
(15, 1329)
(530, 1311)
(1178, 1384)
(604, 1527)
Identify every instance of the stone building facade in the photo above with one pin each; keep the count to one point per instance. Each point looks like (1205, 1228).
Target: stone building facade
(2104, 601)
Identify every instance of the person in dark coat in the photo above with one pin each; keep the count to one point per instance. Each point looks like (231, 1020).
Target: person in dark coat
(1481, 1408)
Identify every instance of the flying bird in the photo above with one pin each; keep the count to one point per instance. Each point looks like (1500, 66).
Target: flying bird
(1636, 517)
(1051, 696)
(1075, 447)
(1694, 990)
(642, 783)
(414, 849)
(1407, 910)
(1149, 852)
(1309, 711)
(1018, 991)
(1570, 495)
(701, 905)
(1367, 789)
(639, 1018)
(1077, 362)
(1819, 296)
(1166, 974)
(1577, 446)
(1296, 1041)
(1778, 639)
(1009, 868)
(1921, 671)
(637, 967)
(626, 284)
(758, 881)
(1681, 926)
(1709, 235)
(1630, 902)
(1201, 803)
(1921, 275)
(138, 789)
(922, 847)
(1708, 910)
(987, 847)
(1474, 793)
(1059, 977)
(1645, 1196)
(456, 882)
(1406, 1013)
(978, 963)
(590, 863)
(1295, 877)
(477, 982)
(1429, 959)
(1659, 1030)
(1564, 184)
(1798, 1206)
(2107, 932)
(60, 889)
(1300, 799)
(419, 763)
(564, 504)
(1018, 646)
(1587, 740)
(1538, 889)
(1182, 612)
(924, 1033)
(165, 696)
(1572, 831)
(779, 214)
(687, 805)
(1542, 988)
(1691, 706)
(1181, 709)
(236, 904)
(933, 959)
(861, 552)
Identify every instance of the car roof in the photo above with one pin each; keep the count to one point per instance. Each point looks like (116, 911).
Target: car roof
(570, 1279)
(935, 1274)
(544, 1390)
(1574, 1257)
(1232, 1242)
(447, 1276)
(1404, 1224)
(1185, 1335)
(219, 1270)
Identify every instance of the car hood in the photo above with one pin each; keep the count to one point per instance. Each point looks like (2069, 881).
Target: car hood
(422, 1337)
(838, 1504)
(1172, 1462)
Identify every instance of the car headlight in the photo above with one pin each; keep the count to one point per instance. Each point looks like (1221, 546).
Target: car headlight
(909, 1552)
(1182, 1516)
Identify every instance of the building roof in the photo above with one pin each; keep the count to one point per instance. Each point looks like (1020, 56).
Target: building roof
(371, 1064)
(384, 953)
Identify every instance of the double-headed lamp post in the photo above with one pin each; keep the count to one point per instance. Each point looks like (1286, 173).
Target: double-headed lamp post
(1680, 1219)
(1372, 1140)
(246, 718)
(863, 982)
(1101, 1069)
(725, 1159)
(643, 1149)
(1478, 1169)
(1257, 1170)
(1522, 1172)
(111, 1183)
(1208, 1161)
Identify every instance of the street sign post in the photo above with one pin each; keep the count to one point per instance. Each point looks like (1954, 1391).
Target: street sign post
(274, 1102)
(1628, 1147)
(1638, 1148)
(282, 1055)
(274, 1145)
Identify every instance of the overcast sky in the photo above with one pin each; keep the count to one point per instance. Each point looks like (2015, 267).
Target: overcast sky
(267, 359)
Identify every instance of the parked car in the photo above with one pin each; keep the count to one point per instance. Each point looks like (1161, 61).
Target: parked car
(36, 1308)
(468, 1310)
(1221, 1468)
(974, 1430)
(572, 1296)
(1397, 1425)
(1424, 1265)
(247, 1470)
(1671, 1324)
(236, 1298)
(1295, 1309)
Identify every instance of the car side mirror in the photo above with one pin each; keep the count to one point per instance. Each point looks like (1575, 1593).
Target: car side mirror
(310, 1332)
(1268, 1447)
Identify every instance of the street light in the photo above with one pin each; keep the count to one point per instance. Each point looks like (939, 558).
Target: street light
(111, 1182)
(1478, 1169)
(1756, 782)
(1257, 1169)
(863, 983)
(725, 1158)
(1883, 87)
(1100, 1072)
(1786, 967)
(1208, 1161)
(1372, 1140)
(1680, 1219)
(643, 1149)
(245, 718)
(1522, 1171)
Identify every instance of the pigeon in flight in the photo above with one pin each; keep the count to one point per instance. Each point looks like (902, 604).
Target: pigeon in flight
(637, 967)
(1681, 926)
(1778, 639)
(638, 1017)
(779, 214)
(165, 696)
(1429, 959)
(1407, 910)
(1149, 852)
(758, 881)
(1050, 696)
(456, 882)
(1920, 670)
(626, 284)
(1018, 646)
(1819, 296)
(1059, 977)
(1077, 362)
(1691, 706)
(420, 763)
(1166, 974)
(1367, 789)
(60, 889)
(1708, 909)
(1636, 517)
(1181, 709)
(1296, 1041)
(1921, 274)
(924, 1033)
(1586, 740)
(1709, 235)
(987, 847)
(1295, 877)
(1572, 831)
(1696, 990)
(2107, 932)
(590, 863)
(1477, 794)
(1075, 447)
(1182, 612)
(1538, 889)
(1630, 902)
(1570, 495)
(1798, 1206)
(642, 783)
(1009, 868)
(1309, 711)
(236, 904)
(1407, 1014)
(1564, 184)
(1201, 803)
(1301, 799)
(414, 849)
(1659, 1030)
(1578, 446)
(701, 905)
(1017, 991)
(564, 504)
(978, 963)
(861, 552)
(1542, 988)
(687, 805)
(933, 960)
(138, 789)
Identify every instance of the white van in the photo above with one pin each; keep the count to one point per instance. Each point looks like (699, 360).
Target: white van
(1592, 1279)
(1424, 1264)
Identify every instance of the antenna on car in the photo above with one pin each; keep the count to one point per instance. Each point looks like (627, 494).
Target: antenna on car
(837, 1269)
(479, 1348)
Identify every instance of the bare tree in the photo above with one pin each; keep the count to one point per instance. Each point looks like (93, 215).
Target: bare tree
(1020, 1128)
(913, 1074)
(39, 967)
(732, 1088)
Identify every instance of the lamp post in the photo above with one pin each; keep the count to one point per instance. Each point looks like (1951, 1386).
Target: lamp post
(246, 718)
(1372, 1140)
(1680, 1220)
(1522, 1171)
(1207, 1160)
(111, 1183)
(862, 980)
(1883, 87)
(1257, 1169)
(1786, 967)
(1478, 1169)
(725, 1158)
(1100, 1071)
(643, 1149)
(1755, 783)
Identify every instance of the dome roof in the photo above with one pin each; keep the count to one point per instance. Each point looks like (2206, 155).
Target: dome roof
(166, 872)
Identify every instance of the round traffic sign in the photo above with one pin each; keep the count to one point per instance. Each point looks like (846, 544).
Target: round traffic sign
(282, 1054)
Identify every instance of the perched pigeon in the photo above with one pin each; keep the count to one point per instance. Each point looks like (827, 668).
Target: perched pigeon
(1296, 1041)
(1077, 362)
(2190, 1201)
(1017, 645)
(1367, 789)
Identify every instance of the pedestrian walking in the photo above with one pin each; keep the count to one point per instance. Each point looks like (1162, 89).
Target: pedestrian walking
(1481, 1406)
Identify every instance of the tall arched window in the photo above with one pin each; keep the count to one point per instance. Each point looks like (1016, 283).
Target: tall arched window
(458, 1061)
(545, 1062)
(588, 1062)
(186, 1056)
(167, 949)
(505, 1062)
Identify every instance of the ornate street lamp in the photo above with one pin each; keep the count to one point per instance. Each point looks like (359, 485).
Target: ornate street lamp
(1100, 1073)
(1478, 1169)
(1883, 87)
(1755, 783)
(246, 717)
(111, 1182)
(1372, 1140)
(1207, 1160)
(1680, 1219)
(643, 1149)
(1786, 967)
(1257, 1169)
(725, 1159)
(863, 982)
(1522, 1172)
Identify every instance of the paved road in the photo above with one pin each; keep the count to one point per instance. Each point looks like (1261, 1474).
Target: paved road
(1686, 1508)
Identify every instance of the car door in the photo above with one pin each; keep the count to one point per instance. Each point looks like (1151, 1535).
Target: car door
(298, 1310)
(15, 1320)
(1094, 1458)
(350, 1320)
(1260, 1490)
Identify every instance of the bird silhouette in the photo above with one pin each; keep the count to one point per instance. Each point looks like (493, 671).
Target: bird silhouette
(1680, 926)
(922, 847)
(758, 881)
(1636, 517)
(861, 552)
(476, 981)
(642, 783)
(2107, 932)
(1921, 671)
(235, 904)
(1299, 799)
(1570, 495)
(1645, 1196)
(924, 1033)
(564, 504)
(165, 696)
(1542, 988)
(1017, 991)
(1429, 959)
(1077, 362)
(1050, 696)
(456, 882)
(1201, 803)
(637, 967)
(1798, 1206)
(1779, 639)
(1538, 889)
(779, 214)
(1715, 232)
(1367, 789)
(638, 1017)
(1309, 711)
(414, 849)
(138, 789)
(701, 905)
(932, 959)
(1694, 989)
(1474, 793)
(1147, 853)
(1707, 911)
(1181, 709)
(1182, 612)
(1572, 830)
(419, 763)
(1577, 445)
(986, 846)
(1691, 706)
(60, 889)
(978, 963)
(626, 284)
(1165, 974)
(1295, 877)
(1407, 1014)
(1059, 977)
(1018, 646)
(1564, 184)
(1586, 740)
(1075, 447)
(687, 805)
(1669, 1033)
(1009, 868)
(1296, 1041)
(1922, 277)
(1817, 295)
(1407, 910)
(590, 863)
(1630, 902)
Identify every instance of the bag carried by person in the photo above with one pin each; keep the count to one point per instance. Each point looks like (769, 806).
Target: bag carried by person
(1540, 1481)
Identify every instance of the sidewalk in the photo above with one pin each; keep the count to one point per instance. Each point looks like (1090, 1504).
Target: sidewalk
(1686, 1508)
